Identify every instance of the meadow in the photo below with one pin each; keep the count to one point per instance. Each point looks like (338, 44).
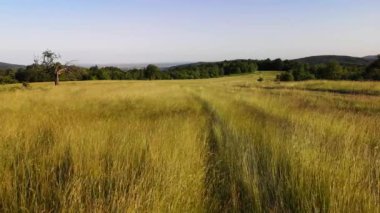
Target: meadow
(229, 144)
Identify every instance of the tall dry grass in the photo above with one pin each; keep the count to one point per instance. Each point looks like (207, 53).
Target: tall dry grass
(101, 146)
(220, 145)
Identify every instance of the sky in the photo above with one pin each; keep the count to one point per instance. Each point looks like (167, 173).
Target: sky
(154, 31)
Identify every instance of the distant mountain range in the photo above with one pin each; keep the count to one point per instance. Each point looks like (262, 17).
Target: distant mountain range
(10, 66)
(344, 60)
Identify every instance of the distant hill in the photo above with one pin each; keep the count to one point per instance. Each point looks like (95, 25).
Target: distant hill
(344, 60)
(184, 65)
(313, 60)
(129, 66)
(371, 57)
(10, 66)
(190, 64)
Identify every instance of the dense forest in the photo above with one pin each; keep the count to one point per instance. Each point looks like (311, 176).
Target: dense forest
(294, 71)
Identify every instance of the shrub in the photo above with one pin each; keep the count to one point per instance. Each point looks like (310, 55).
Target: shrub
(286, 76)
(25, 84)
(7, 80)
(373, 71)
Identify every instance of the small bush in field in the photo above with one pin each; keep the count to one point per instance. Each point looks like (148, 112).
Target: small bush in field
(286, 76)
(25, 85)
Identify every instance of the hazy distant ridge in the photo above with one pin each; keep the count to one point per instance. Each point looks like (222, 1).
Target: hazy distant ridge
(10, 66)
(344, 60)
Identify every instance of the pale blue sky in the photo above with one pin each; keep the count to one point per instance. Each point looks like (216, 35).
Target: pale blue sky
(115, 31)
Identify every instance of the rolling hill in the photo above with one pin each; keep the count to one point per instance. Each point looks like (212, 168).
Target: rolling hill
(10, 66)
(371, 57)
(344, 60)
(314, 60)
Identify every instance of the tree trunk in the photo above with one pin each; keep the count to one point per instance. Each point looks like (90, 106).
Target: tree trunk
(56, 82)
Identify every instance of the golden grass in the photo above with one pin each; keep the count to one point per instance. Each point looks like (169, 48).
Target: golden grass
(226, 144)
(343, 87)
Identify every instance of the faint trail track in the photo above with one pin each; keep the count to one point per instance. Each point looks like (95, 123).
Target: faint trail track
(225, 191)
(254, 157)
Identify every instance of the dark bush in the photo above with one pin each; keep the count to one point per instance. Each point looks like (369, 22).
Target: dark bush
(285, 76)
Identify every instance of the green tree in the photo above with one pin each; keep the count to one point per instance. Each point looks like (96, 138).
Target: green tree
(152, 72)
(301, 72)
(103, 74)
(285, 76)
(332, 70)
(373, 70)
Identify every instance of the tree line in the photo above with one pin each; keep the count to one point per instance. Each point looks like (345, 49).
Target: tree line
(331, 71)
(42, 71)
(39, 73)
(47, 68)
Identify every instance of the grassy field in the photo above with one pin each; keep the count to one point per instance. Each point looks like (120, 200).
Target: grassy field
(230, 144)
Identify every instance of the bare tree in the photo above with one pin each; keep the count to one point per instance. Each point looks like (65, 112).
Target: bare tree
(51, 64)
(60, 69)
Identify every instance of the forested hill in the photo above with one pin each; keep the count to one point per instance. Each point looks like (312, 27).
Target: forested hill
(10, 66)
(371, 57)
(343, 60)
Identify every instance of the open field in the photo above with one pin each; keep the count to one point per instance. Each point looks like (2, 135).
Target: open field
(220, 145)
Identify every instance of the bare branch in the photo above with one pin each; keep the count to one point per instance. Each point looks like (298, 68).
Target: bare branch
(70, 62)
